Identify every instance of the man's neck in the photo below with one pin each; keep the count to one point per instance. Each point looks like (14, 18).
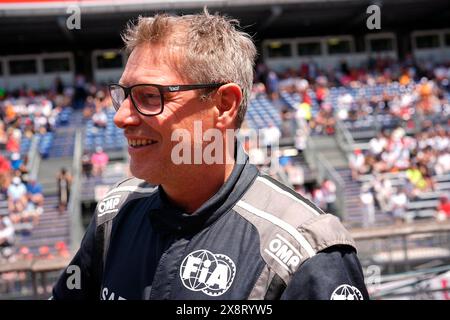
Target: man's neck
(191, 191)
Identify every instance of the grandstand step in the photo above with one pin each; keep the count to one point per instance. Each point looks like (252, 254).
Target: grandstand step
(48, 170)
(45, 234)
(443, 186)
(54, 222)
(328, 147)
(52, 227)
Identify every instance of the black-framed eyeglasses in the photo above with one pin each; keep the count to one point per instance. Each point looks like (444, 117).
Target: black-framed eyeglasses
(148, 99)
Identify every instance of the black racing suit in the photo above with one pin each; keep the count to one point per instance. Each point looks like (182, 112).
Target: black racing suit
(254, 239)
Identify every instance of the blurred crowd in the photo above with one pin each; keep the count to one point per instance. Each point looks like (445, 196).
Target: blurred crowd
(24, 114)
(417, 95)
(420, 157)
(323, 96)
(417, 89)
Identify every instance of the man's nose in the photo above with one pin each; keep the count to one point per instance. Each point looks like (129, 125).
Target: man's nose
(127, 115)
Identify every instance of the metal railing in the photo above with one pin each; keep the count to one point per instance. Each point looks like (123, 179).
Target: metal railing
(34, 158)
(343, 137)
(403, 246)
(74, 207)
(409, 259)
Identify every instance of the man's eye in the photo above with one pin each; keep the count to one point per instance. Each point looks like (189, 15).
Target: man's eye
(150, 95)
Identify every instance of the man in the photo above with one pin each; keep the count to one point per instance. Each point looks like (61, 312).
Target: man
(35, 193)
(17, 199)
(208, 230)
(99, 161)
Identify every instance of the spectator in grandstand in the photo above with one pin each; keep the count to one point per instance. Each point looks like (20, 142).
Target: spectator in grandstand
(40, 122)
(378, 143)
(324, 121)
(86, 164)
(16, 161)
(442, 165)
(428, 102)
(301, 137)
(443, 209)
(368, 201)
(10, 114)
(416, 178)
(399, 201)
(35, 194)
(258, 89)
(13, 143)
(58, 86)
(357, 163)
(271, 136)
(318, 197)
(25, 253)
(344, 105)
(216, 218)
(45, 253)
(257, 156)
(103, 100)
(89, 108)
(329, 192)
(294, 173)
(288, 123)
(6, 232)
(322, 91)
(3, 136)
(383, 191)
(302, 88)
(99, 162)
(272, 85)
(99, 118)
(405, 78)
(31, 214)
(17, 196)
(303, 113)
(5, 173)
(80, 93)
(62, 250)
(64, 181)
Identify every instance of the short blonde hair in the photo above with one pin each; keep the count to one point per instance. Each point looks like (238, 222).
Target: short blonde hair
(213, 49)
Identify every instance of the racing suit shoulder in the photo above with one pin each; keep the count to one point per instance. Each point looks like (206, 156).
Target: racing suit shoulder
(110, 206)
(291, 230)
(333, 274)
(121, 193)
(94, 246)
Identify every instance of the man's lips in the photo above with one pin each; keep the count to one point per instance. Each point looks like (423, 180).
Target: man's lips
(137, 142)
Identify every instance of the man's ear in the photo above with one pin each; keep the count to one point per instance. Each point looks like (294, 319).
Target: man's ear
(228, 103)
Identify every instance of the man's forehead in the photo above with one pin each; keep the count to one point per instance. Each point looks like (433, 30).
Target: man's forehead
(151, 62)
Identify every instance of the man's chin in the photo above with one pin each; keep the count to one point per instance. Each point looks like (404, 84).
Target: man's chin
(151, 176)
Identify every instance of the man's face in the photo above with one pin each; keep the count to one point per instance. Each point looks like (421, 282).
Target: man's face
(148, 64)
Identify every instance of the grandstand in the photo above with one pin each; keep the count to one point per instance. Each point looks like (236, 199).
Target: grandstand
(353, 107)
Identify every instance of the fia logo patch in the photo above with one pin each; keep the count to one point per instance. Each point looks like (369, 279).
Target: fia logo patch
(205, 271)
(346, 292)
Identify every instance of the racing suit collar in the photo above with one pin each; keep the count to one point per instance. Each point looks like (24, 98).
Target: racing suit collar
(170, 219)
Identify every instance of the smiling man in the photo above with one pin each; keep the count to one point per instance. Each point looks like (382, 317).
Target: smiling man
(198, 230)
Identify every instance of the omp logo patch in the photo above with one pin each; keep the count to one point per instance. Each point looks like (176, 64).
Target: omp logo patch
(205, 271)
(108, 205)
(284, 253)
